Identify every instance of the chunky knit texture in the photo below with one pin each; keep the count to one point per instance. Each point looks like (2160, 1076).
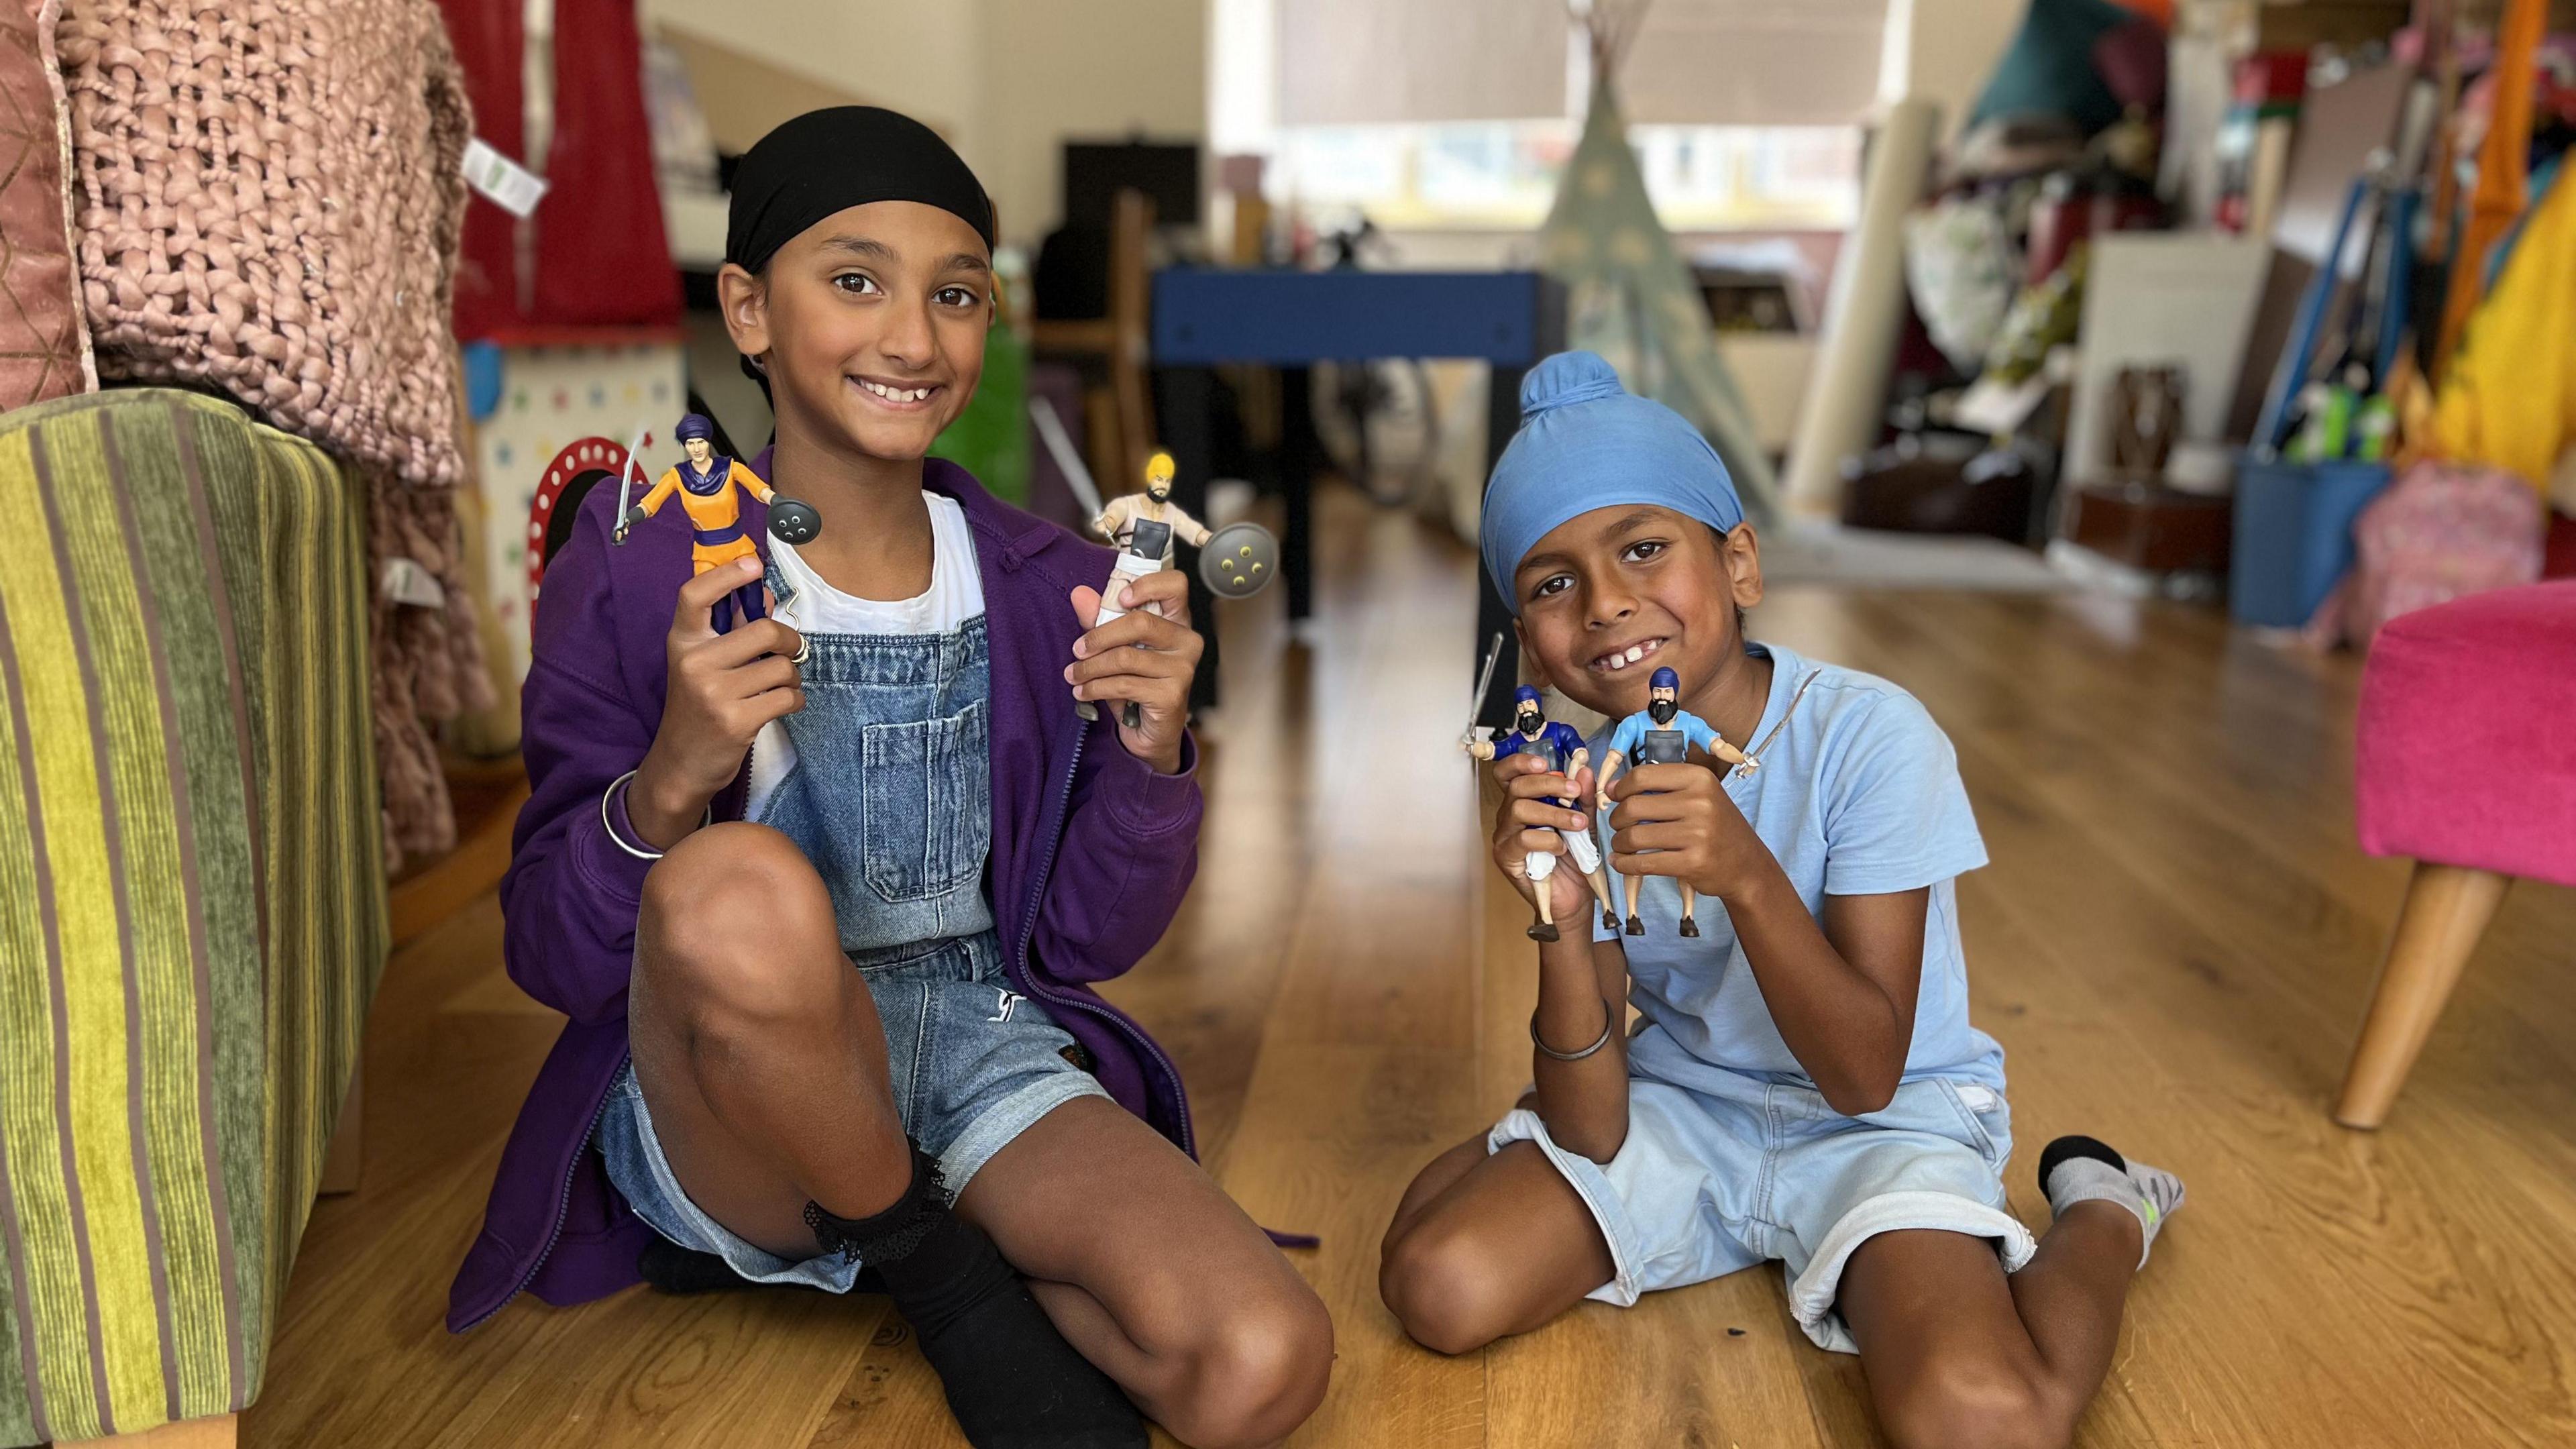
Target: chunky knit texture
(267, 197)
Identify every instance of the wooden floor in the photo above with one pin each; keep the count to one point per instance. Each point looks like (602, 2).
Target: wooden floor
(2173, 944)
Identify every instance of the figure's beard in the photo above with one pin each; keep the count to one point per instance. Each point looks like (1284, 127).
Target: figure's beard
(1159, 495)
(1529, 722)
(1663, 711)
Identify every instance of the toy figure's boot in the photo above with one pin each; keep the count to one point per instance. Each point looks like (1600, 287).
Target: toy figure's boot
(1690, 922)
(1544, 928)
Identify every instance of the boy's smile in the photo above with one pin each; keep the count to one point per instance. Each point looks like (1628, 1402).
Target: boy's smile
(1619, 658)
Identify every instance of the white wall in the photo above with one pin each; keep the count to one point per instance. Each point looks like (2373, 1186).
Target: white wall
(1006, 81)
(923, 60)
(1944, 50)
(1084, 70)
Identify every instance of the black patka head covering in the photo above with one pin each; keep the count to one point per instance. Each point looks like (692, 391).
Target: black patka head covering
(830, 160)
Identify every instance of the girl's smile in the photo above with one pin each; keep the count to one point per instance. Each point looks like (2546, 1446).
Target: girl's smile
(900, 396)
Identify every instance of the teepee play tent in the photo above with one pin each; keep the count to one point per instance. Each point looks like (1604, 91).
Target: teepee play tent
(1628, 295)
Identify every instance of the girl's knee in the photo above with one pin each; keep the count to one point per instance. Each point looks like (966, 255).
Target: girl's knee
(1256, 1369)
(735, 920)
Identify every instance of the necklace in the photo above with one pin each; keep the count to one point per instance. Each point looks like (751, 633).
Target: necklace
(1753, 756)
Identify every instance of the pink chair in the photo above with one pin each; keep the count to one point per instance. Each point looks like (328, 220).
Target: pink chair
(2467, 762)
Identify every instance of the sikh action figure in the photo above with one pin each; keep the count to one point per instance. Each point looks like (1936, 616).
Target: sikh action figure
(1117, 522)
(1533, 733)
(705, 486)
(1662, 734)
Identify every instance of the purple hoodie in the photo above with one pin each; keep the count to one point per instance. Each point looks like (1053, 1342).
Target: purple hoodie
(1091, 853)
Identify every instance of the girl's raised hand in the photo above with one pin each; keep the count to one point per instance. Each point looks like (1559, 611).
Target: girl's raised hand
(721, 689)
(1143, 656)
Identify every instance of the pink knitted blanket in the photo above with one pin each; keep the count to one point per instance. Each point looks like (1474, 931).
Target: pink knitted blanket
(268, 199)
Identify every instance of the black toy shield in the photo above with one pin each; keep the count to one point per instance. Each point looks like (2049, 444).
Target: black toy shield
(1239, 561)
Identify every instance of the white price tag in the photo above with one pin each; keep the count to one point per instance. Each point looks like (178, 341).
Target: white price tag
(511, 186)
(406, 582)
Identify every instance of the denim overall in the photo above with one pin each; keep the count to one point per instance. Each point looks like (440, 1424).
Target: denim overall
(890, 800)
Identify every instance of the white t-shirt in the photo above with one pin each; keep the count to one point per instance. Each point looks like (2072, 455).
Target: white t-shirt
(955, 595)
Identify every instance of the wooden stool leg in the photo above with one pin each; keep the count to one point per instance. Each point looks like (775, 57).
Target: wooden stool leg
(2447, 908)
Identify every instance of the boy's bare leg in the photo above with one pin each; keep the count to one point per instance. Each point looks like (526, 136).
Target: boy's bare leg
(1488, 1245)
(1958, 1353)
(1156, 1275)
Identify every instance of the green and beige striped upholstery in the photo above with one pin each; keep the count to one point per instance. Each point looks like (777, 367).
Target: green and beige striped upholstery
(192, 908)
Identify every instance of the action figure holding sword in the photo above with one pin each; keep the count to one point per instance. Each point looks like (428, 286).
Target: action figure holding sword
(1562, 748)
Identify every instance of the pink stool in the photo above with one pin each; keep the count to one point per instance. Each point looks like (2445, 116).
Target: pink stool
(2466, 761)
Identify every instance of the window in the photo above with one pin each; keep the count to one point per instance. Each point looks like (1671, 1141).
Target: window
(1503, 174)
(1743, 113)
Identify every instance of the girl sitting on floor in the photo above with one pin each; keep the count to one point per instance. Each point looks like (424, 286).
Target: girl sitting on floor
(823, 900)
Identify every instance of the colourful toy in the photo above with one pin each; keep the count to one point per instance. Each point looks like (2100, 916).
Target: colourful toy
(1119, 520)
(705, 484)
(1563, 749)
(1143, 526)
(1662, 734)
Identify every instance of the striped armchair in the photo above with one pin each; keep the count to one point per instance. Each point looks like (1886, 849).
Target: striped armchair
(192, 906)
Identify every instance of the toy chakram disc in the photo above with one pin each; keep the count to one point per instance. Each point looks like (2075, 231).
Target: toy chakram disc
(793, 521)
(1239, 561)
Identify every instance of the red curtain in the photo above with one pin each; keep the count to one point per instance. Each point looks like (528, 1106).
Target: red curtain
(600, 256)
(488, 38)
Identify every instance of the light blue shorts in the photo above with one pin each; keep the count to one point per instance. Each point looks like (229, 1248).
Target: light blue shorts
(1734, 1170)
(974, 1065)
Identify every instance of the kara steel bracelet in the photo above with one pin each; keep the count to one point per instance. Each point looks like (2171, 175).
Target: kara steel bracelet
(1609, 1024)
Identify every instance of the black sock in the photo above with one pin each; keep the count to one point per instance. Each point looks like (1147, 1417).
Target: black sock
(1012, 1380)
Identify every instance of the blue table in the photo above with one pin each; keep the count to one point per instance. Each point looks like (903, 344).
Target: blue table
(1292, 320)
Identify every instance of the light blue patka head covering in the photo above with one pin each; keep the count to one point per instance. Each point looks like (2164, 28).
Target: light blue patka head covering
(1586, 442)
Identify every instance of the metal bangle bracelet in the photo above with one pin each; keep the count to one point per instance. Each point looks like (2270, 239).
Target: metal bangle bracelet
(604, 823)
(1609, 1024)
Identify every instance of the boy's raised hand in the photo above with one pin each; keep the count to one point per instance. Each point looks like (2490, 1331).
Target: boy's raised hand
(721, 689)
(1676, 820)
(1143, 656)
(1528, 823)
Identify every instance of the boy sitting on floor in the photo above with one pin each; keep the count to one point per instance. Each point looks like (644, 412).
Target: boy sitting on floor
(1805, 1084)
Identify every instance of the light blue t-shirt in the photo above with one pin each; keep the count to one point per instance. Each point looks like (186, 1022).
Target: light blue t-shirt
(1859, 794)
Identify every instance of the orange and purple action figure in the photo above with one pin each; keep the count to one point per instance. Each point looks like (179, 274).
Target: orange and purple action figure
(705, 485)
